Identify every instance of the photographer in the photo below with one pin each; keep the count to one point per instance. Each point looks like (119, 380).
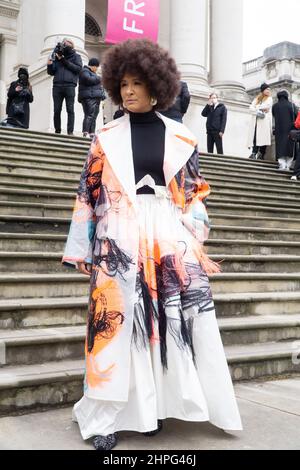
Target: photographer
(65, 65)
(90, 94)
(19, 96)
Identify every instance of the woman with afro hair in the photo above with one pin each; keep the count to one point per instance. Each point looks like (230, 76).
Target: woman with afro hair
(153, 348)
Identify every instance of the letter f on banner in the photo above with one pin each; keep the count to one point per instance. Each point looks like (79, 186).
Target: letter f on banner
(132, 19)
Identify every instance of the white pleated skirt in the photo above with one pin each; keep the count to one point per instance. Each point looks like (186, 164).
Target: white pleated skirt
(196, 386)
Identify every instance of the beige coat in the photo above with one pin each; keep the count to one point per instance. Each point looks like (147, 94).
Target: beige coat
(264, 126)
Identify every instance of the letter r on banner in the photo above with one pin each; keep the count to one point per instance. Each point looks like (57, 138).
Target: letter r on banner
(132, 19)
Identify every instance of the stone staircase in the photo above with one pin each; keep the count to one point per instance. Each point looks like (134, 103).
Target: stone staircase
(255, 216)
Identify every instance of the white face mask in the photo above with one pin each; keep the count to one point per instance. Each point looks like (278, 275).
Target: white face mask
(215, 100)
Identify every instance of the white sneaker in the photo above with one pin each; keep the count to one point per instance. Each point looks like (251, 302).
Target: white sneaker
(294, 178)
(282, 164)
(289, 163)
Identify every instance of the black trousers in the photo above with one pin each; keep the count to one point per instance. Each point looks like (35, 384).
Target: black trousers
(213, 138)
(91, 107)
(61, 93)
(297, 162)
(262, 149)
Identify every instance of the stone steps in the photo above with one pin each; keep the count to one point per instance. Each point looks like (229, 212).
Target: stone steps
(33, 346)
(36, 158)
(57, 383)
(228, 283)
(251, 247)
(260, 194)
(33, 224)
(252, 210)
(258, 263)
(47, 170)
(241, 176)
(43, 262)
(56, 243)
(257, 303)
(286, 208)
(244, 232)
(31, 195)
(64, 209)
(255, 235)
(47, 145)
(36, 209)
(18, 313)
(252, 220)
(38, 186)
(265, 329)
(27, 134)
(37, 286)
(26, 177)
(32, 242)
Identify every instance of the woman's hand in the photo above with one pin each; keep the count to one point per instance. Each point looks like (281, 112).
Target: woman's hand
(85, 268)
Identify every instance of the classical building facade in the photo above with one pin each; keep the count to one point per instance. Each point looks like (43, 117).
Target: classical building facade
(208, 51)
(279, 66)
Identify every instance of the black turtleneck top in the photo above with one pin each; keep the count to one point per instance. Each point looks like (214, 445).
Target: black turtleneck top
(148, 148)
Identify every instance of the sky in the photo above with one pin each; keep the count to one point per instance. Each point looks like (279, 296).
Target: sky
(267, 22)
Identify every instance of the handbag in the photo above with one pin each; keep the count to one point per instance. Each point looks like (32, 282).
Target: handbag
(260, 114)
(294, 135)
(18, 108)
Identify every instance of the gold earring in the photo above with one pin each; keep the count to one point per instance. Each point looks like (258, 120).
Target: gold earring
(153, 101)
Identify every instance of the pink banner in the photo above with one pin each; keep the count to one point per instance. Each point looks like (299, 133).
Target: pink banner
(132, 19)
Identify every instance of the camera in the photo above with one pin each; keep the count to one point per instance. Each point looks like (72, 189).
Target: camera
(59, 49)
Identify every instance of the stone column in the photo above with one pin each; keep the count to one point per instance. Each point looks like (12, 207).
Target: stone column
(64, 18)
(189, 40)
(8, 57)
(226, 32)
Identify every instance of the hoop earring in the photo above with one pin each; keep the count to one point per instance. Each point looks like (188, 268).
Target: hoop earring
(123, 106)
(153, 101)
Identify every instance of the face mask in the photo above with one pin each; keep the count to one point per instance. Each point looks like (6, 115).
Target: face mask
(215, 100)
(67, 49)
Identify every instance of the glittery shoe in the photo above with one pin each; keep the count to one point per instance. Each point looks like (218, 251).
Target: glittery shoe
(153, 433)
(105, 442)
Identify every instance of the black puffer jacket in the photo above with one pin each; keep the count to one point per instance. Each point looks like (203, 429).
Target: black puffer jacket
(66, 71)
(89, 85)
(181, 104)
(216, 117)
(23, 97)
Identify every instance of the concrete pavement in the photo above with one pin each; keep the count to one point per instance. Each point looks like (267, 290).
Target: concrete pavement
(270, 412)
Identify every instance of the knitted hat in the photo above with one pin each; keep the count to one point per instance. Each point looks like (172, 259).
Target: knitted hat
(264, 86)
(23, 71)
(94, 62)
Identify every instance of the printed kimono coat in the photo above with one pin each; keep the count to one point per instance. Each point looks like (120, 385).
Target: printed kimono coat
(104, 232)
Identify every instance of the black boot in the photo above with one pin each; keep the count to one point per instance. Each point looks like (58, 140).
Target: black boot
(253, 156)
(105, 442)
(155, 431)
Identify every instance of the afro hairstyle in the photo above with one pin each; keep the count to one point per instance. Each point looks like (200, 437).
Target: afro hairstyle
(150, 62)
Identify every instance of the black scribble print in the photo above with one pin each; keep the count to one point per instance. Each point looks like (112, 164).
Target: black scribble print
(182, 332)
(110, 258)
(102, 323)
(197, 291)
(144, 313)
(90, 183)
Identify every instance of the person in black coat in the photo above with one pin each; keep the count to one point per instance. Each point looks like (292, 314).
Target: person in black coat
(180, 107)
(284, 113)
(19, 96)
(216, 114)
(65, 66)
(91, 93)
